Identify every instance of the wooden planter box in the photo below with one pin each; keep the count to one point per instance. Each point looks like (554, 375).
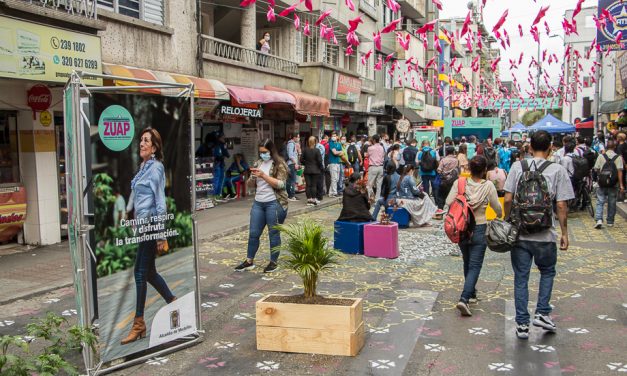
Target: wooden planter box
(310, 328)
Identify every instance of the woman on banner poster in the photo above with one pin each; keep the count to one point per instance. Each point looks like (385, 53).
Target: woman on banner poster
(148, 201)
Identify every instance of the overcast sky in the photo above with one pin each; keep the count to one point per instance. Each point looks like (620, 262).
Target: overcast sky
(522, 12)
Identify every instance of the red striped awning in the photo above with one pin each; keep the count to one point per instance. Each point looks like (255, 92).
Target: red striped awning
(203, 87)
(248, 95)
(307, 104)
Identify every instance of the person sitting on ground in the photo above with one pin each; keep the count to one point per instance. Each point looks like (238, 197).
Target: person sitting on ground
(479, 193)
(413, 199)
(355, 204)
(388, 190)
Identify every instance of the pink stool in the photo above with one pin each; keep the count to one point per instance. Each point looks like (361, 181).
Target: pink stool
(381, 240)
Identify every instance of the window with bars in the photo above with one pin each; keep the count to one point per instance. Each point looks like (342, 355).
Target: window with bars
(152, 11)
(308, 49)
(331, 54)
(388, 15)
(388, 78)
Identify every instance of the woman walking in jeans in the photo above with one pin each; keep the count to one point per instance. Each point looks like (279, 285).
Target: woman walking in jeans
(269, 176)
(479, 192)
(148, 200)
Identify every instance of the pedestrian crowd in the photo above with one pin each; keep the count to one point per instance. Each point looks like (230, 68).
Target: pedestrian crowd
(537, 179)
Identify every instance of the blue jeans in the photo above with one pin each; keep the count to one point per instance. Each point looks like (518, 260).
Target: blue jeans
(291, 181)
(230, 181)
(218, 179)
(428, 180)
(609, 196)
(265, 214)
(544, 254)
(146, 272)
(377, 206)
(473, 252)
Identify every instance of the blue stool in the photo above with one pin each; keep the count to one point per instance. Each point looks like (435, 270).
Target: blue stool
(349, 237)
(400, 216)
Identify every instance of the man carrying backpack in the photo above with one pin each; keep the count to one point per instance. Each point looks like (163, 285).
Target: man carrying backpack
(428, 162)
(609, 167)
(353, 155)
(410, 153)
(531, 188)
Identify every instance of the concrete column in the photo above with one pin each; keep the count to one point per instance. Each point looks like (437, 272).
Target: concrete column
(248, 29)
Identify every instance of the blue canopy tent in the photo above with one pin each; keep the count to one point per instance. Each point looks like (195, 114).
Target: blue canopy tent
(552, 125)
(515, 127)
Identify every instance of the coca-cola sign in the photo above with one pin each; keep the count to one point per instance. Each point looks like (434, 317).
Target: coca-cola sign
(39, 97)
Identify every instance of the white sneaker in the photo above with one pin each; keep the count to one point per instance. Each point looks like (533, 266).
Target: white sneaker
(610, 225)
(599, 224)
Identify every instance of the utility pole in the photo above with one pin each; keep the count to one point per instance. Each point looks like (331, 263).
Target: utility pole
(597, 90)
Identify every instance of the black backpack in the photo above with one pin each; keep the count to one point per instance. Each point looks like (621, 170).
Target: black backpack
(533, 207)
(591, 157)
(514, 156)
(490, 155)
(352, 154)
(409, 155)
(428, 162)
(581, 167)
(608, 176)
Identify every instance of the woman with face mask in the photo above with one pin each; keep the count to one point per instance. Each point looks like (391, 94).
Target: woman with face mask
(269, 176)
(264, 47)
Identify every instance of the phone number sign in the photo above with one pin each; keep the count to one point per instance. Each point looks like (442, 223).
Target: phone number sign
(36, 52)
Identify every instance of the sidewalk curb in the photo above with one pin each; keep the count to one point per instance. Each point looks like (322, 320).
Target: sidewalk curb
(290, 214)
(327, 203)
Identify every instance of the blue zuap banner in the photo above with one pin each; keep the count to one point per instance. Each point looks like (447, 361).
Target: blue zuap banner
(606, 35)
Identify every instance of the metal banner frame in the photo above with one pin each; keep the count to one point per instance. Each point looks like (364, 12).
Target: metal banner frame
(78, 217)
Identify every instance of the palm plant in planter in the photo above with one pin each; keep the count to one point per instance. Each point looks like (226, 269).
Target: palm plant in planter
(309, 323)
(308, 253)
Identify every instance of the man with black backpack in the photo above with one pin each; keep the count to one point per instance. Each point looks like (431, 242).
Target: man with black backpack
(609, 167)
(410, 153)
(531, 188)
(427, 160)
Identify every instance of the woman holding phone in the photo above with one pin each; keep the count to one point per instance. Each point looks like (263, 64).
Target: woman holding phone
(269, 176)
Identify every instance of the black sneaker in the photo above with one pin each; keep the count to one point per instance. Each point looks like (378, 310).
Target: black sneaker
(463, 308)
(272, 267)
(522, 331)
(245, 266)
(544, 322)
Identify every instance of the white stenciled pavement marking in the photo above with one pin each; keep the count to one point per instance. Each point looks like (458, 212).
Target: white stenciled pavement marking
(434, 347)
(531, 354)
(6, 323)
(605, 317)
(578, 330)
(479, 331)
(209, 304)
(157, 361)
(382, 364)
(500, 367)
(618, 367)
(69, 312)
(268, 365)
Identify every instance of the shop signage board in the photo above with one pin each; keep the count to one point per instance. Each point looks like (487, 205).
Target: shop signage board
(346, 88)
(36, 52)
(622, 68)
(606, 35)
(12, 211)
(472, 122)
(416, 103)
(160, 234)
(256, 113)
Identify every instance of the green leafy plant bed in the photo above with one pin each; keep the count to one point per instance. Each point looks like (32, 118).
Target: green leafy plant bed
(54, 343)
(309, 323)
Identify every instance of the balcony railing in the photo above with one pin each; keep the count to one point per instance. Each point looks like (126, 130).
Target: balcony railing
(368, 84)
(247, 56)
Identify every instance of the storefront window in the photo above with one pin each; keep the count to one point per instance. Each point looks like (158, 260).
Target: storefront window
(9, 166)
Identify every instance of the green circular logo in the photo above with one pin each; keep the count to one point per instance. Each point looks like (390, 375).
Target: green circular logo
(116, 128)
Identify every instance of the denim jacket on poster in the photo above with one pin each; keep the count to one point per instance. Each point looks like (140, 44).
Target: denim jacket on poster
(148, 195)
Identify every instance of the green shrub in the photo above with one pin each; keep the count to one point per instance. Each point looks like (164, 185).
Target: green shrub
(16, 358)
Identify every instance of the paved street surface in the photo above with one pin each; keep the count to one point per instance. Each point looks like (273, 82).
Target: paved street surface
(411, 323)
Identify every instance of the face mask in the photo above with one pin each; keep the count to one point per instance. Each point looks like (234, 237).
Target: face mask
(343, 141)
(334, 139)
(267, 37)
(265, 156)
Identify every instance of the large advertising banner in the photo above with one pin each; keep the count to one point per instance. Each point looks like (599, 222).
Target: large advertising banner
(608, 33)
(141, 194)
